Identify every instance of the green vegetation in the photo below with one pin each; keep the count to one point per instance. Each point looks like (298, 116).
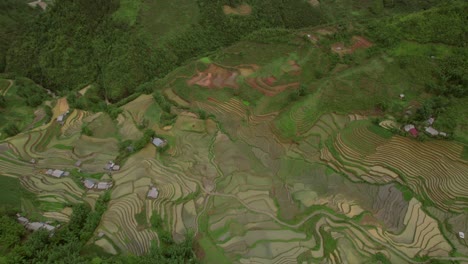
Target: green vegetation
(67, 242)
(12, 193)
(14, 16)
(167, 118)
(329, 243)
(285, 159)
(78, 174)
(128, 11)
(464, 154)
(380, 131)
(141, 218)
(63, 147)
(17, 105)
(160, 18)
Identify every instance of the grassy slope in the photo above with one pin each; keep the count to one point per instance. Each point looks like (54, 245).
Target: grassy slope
(16, 110)
(128, 11)
(3, 85)
(13, 193)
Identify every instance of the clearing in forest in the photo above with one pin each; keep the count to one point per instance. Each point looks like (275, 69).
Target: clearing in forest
(242, 10)
(314, 2)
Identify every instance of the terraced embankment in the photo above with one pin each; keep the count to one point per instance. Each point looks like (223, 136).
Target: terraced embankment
(433, 169)
(248, 192)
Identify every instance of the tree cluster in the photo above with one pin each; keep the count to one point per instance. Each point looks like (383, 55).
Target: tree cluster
(78, 42)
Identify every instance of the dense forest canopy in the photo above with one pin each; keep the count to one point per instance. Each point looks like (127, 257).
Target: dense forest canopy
(76, 43)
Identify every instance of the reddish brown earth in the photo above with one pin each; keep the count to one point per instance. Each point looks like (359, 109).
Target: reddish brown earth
(263, 85)
(215, 77)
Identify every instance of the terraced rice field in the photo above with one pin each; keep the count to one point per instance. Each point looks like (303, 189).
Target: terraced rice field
(252, 194)
(268, 86)
(429, 168)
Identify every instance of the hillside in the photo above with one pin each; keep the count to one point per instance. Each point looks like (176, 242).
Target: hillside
(235, 132)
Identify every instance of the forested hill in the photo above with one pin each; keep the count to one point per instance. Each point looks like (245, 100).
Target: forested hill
(112, 44)
(14, 15)
(79, 42)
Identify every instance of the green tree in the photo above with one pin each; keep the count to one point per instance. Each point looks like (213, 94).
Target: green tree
(11, 129)
(11, 232)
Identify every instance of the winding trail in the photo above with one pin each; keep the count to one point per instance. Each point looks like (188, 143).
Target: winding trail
(8, 88)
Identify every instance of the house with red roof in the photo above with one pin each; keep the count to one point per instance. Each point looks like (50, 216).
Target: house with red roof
(411, 129)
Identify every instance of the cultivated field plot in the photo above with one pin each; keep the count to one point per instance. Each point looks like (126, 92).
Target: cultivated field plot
(248, 192)
(433, 169)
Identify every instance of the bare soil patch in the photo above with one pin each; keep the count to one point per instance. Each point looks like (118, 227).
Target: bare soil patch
(242, 10)
(83, 91)
(314, 2)
(246, 70)
(215, 77)
(40, 3)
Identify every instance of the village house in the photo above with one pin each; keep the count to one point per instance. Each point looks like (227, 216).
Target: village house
(158, 142)
(61, 118)
(104, 185)
(430, 121)
(93, 184)
(411, 129)
(34, 226)
(78, 163)
(431, 131)
(111, 166)
(57, 173)
(33, 161)
(153, 193)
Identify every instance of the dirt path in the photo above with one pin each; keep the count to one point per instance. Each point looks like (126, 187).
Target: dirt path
(8, 88)
(83, 91)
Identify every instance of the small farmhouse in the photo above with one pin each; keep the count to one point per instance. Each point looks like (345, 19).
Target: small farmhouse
(411, 129)
(432, 131)
(93, 184)
(89, 183)
(112, 166)
(62, 117)
(158, 142)
(57, 173)
(104, 185)
(430, 121)
(153, 193)
(34, 226)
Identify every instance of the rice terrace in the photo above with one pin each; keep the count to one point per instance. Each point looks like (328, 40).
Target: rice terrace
(200, 131)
